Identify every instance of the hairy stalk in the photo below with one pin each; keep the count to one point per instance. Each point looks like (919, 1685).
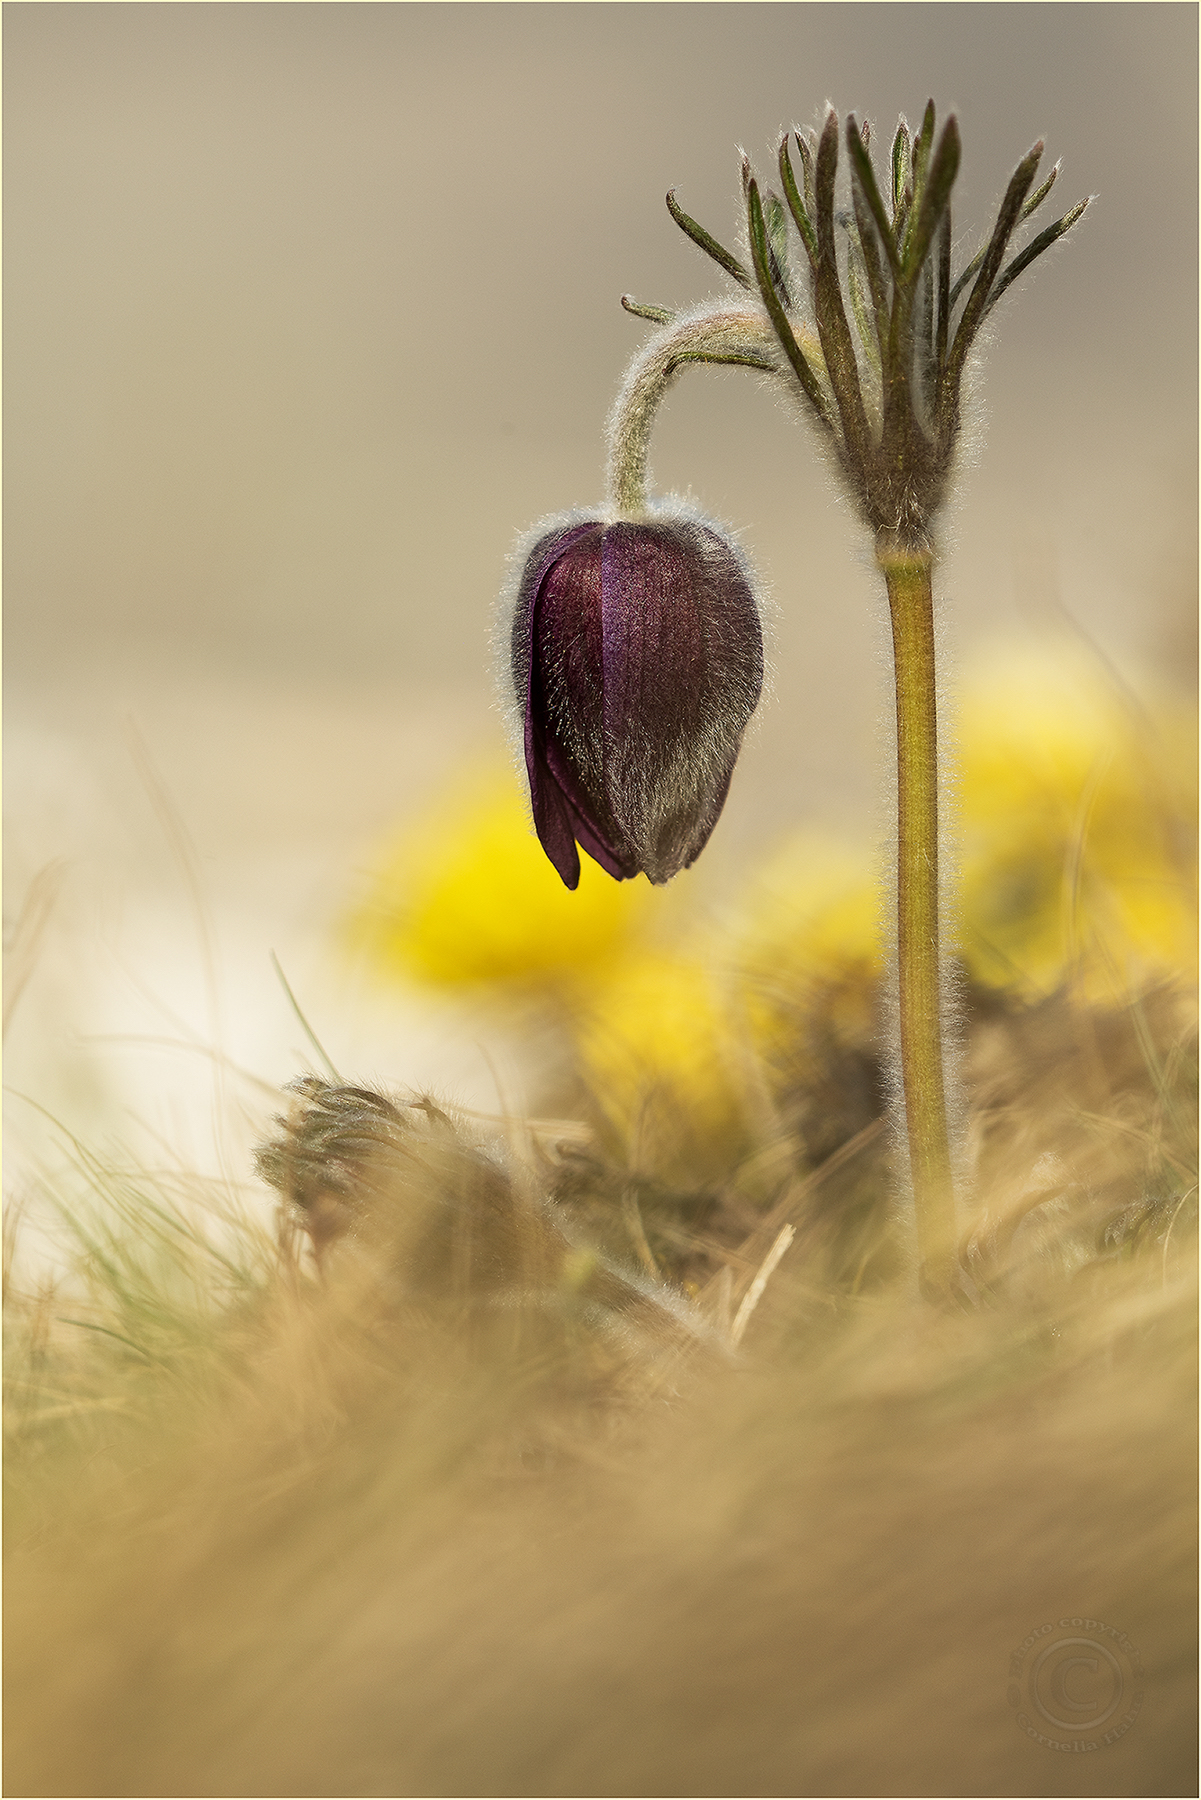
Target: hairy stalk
(919, 953)
(889, 410)
(724, 334)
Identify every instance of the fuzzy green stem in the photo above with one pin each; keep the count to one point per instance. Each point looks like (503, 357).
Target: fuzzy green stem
(719, 334)
(907, 572)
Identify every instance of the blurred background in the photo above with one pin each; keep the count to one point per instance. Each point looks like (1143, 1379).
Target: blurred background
(311, 308)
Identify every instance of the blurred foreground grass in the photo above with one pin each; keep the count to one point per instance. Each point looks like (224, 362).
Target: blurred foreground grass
(607, 1451)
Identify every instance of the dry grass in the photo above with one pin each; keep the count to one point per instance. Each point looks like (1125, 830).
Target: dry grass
(461, 1486)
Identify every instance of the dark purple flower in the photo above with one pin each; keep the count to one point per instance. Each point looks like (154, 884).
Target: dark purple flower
(637, 658)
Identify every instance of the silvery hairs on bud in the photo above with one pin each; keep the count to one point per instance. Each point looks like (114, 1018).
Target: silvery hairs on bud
(636, 657)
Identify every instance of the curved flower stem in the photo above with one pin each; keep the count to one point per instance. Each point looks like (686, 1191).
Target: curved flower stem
(919, 998)
(719, 334)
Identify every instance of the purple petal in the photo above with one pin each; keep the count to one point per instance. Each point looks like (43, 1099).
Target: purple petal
(560, 652)
(555, 828)
(638, 657)
(683, 668)
(538, 563)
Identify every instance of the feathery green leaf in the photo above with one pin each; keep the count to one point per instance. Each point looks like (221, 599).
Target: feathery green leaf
(705, 242)
(865, 178)
(776, 221)
(837, 345)
(1034, 248)
(796, 204)
(659, 314)
(935, 198)
(805, 146)
(923, 143)
(862, 308)
(900, 165)
(1036, 199)
(869, 250)
(779, 318)
(973, 312)
(944, 291)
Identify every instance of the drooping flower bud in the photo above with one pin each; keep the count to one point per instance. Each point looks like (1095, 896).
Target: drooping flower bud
(637, 660)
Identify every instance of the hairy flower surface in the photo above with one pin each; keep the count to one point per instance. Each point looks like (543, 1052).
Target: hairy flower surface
(637, 658)
(874, 328)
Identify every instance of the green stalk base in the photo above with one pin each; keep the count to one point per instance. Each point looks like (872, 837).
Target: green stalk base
(911, 602)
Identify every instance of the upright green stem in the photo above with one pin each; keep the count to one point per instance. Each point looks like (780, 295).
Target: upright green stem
(911, 602)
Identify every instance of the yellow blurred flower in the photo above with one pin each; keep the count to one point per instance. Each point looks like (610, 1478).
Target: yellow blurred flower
(1076, 829)
(809, 956)
(1074, 819)
(465, 894)
(674, 1046)
(812, 910)
(655, 1047)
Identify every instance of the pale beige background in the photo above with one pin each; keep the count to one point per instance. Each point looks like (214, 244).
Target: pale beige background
(310, 307)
